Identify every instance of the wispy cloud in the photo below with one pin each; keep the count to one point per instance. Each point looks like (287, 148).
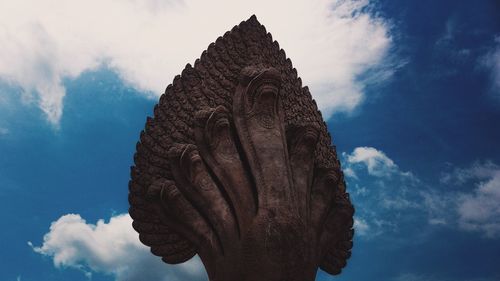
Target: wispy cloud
(375, 161)
(393, 193)
(387, 197)
(491, 61)
(480, 210)
(331, 42)
(478, 170)
(439, 206)
(475, 209)
(427, 277)
(449, 54)
(416, 277)
(111, 248)
(3, 131)
(381, 191)
(361, 226)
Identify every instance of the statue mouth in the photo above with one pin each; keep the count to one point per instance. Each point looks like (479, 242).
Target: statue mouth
(262, 97)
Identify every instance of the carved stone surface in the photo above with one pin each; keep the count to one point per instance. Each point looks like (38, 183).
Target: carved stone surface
(237, 166)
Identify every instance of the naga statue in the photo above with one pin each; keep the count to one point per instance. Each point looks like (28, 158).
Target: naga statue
(238, 167)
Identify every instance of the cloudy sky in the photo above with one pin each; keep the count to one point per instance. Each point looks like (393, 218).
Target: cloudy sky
(411, 90)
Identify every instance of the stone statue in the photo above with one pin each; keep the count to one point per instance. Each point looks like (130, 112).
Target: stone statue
(237, 166)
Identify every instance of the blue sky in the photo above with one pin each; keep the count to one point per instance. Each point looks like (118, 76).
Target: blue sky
(411, 90)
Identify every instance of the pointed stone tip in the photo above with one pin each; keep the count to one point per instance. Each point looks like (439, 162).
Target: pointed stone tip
(254, 19)
(250, 23)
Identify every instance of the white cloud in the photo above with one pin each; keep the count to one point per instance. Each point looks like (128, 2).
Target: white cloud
(394, 194)
(427, 277)
(419, 277)
(399, 202)
(111, 248)
(480, 210)
(375, 161)
(361, 227)
(360, 190)
(372, 227)
(440, 206)
(384, 194)
(476, 209)
(349, 172)
(478, 170)
(492, 62)
(436, 221)
(331, 42)
(410, 277)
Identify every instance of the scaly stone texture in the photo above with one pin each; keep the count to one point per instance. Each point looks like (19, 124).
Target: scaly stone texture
(238, 167)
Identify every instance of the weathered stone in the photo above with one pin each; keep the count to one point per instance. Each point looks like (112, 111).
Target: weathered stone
(237, 166)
